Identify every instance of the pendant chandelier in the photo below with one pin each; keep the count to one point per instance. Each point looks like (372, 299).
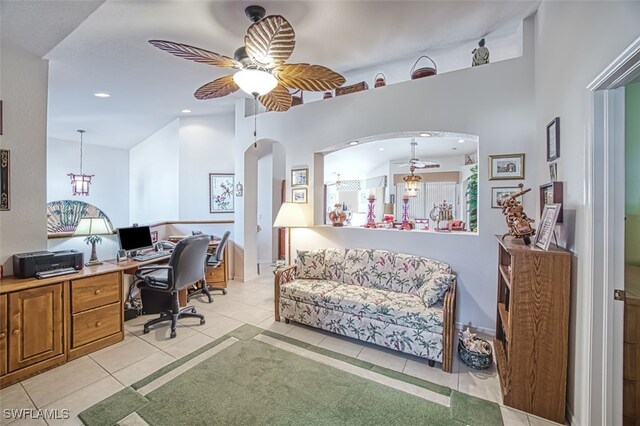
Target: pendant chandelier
(412, 183)
(80, 182)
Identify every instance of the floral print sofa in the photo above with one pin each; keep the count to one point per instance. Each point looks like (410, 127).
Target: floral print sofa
(399, 301)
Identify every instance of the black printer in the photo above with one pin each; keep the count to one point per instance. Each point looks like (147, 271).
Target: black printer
(27, 265)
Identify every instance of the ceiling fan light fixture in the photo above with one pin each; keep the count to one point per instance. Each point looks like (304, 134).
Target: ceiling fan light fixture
(412, 184)
(255, 82)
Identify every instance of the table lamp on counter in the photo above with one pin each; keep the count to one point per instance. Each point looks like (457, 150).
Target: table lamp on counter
(93, 227)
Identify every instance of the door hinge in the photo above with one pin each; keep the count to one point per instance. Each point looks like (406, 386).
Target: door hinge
(618, 294)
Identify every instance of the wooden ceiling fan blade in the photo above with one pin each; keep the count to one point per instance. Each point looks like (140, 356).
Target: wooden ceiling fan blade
(217, 88)
(315, 78)
(196, 54)
(279, 99)
(270, 41)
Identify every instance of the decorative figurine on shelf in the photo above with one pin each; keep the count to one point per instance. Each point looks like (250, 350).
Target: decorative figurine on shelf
(405, 213)
(371, 217)
(441, 214)
(517, 220)
(480, 55)
(337, 216)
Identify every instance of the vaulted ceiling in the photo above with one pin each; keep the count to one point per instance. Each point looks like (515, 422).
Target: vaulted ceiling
(108, 51)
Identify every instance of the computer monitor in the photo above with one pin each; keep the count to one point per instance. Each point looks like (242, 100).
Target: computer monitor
(135, 238)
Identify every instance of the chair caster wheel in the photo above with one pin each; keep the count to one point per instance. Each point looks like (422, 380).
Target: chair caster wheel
(145, 331)
(202, 321)
(173, 334)
(224, 292)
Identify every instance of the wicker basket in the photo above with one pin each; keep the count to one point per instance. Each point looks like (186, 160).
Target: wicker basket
(475, 360)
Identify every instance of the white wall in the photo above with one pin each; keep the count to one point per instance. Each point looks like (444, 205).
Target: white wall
(109, 187)
(574, 43)
(206, 146)
(494, 101)
(23, 89)
(154, 172)
(265, 202)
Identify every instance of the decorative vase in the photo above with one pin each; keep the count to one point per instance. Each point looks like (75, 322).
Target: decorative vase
(371, 218)
(406, 226)
(337, 216)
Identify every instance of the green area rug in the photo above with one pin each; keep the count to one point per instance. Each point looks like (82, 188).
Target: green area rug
(255, 383)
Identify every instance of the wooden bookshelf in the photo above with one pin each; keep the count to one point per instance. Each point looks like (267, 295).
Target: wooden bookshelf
(532, 329)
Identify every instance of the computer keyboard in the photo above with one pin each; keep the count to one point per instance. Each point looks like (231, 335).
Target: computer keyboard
(149, 256)
(55, 272)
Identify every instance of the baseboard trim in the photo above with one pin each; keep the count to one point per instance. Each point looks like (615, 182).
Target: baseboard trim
(249, 278)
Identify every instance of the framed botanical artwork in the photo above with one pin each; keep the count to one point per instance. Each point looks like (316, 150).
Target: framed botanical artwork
(498, 194)
(551, 193)
(299, 177)
(553, 172)
(221, 198)
(4, 180)
(299, 195)
(506, 167)
(547, 225)
(553, 139)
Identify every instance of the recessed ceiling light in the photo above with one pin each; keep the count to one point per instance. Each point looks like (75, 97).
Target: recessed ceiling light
(460, 140)
(381, 149)
(425, 135)
(352, 143)
(101, 95)
(186, 111)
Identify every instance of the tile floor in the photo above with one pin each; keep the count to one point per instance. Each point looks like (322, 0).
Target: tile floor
(81, 383)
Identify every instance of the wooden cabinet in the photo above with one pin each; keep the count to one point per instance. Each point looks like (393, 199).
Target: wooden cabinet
(44, 323)
(219, 277)
(96, 318)
(532, 330)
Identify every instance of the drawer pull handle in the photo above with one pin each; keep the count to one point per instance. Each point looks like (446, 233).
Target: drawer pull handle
(98, 291)
(98, 323)
(3, 335)
(16, 332)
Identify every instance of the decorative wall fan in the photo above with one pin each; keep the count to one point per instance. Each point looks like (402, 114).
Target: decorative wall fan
(261, 63)
(414, 162)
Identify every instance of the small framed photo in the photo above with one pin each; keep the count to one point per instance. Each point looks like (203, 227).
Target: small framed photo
(553, 172)
(553, 139)
(300, 177)
(4, 180)
(551, 193)
(498, 194)
(154, 236)
(506, 167)
(547, 225)
(299, 195)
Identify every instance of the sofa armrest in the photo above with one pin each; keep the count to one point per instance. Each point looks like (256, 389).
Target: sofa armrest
(448, 333)
(283, 276)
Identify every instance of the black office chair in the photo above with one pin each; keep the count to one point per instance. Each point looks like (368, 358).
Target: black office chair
(213, 262)
(185, 267)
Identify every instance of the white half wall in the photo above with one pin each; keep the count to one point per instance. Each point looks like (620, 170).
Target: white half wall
(495, 102)
(154, 173)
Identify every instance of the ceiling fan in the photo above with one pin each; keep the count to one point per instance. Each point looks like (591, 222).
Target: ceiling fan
(414, 162)
(261, 63)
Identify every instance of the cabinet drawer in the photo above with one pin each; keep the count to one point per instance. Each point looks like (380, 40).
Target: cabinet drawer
(95, 324)
(214, 275)
(92, 292)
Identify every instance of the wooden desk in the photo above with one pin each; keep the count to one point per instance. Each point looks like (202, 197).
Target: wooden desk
(45, 323)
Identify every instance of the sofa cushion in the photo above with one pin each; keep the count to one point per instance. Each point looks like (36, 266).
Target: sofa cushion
(310, 264)
(407, 310)
(436, 286)
(334, 264)
(308, 290)
(357, 267)
(412, 272)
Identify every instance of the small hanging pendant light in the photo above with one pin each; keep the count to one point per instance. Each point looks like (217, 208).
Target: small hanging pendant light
(80, 183)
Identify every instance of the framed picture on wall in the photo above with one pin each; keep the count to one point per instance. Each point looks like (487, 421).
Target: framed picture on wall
(4, 179)
(553, 139)
(299, 177)
(221, 198)
(506, 167)
(498, 194)
(299, 195)
(551, 193)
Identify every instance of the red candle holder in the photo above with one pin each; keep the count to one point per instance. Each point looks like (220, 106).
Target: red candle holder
(371, 218)
(405, 214)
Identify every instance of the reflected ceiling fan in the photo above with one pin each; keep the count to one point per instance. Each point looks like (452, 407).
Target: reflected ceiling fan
(414, 162)
(262, 71)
